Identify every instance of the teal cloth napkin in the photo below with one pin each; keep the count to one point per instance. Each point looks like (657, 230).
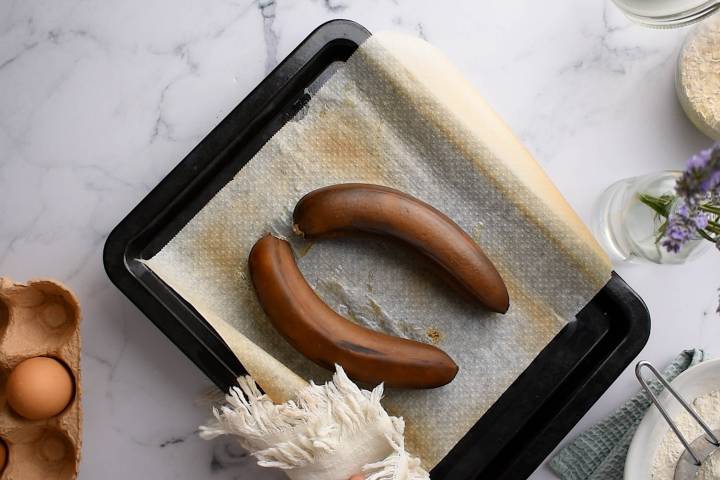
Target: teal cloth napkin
(599, 453)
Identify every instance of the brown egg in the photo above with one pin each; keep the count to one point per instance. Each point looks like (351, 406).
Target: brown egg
(3, 455)
(39, 388)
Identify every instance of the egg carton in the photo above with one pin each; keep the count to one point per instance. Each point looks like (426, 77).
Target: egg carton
(40, 318)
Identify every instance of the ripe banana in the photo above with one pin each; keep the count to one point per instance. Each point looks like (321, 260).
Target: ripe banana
(355, 207)
(326, 338)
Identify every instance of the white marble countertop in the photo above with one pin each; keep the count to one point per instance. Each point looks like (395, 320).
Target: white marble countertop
(99, 100)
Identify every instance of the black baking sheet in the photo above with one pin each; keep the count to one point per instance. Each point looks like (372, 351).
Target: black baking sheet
(528, 420)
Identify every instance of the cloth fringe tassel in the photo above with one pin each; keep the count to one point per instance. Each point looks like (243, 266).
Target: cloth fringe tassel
(326, 415)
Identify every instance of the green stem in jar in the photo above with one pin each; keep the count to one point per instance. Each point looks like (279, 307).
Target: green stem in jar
(710, 209)
(714, 227)
(706, 236)
(660, 205)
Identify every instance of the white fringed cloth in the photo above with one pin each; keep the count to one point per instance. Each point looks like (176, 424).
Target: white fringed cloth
(328, 432)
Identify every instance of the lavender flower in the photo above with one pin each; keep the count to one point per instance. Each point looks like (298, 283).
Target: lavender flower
(697, 204)
(713, 182)
(701, 220)
(682, 226)
(701, 179)
(697, 192)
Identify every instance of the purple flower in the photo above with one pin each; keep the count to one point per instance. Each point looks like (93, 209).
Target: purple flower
(682, 226)
(671, 245)
(683, 211)
(702, 176)
(679, 231)
(698, 198)
(712, 184)
(697, 214)
(701, 221)
(700, 159)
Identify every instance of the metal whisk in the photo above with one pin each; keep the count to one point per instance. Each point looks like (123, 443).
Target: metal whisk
(699, 450)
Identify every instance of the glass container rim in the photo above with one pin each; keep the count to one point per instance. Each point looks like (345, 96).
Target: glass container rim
(675, 20)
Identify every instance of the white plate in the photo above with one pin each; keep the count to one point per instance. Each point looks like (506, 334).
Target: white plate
(692, 383)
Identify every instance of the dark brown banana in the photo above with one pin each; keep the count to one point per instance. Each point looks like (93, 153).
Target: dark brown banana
(355, 207)
(326, 338)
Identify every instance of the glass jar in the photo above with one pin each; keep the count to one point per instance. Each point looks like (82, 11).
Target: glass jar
(697, 78)
(628, 229)
(667, 13)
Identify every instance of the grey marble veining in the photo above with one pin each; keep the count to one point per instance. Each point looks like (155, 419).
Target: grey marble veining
(99, 100)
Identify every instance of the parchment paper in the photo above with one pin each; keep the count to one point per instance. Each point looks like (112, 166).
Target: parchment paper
(398, 114)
